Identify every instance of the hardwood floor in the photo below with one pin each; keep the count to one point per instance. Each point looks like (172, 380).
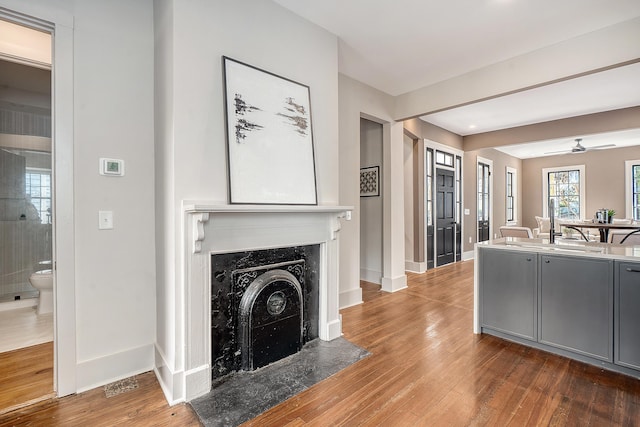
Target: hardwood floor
(142, 406)
(26, 376)
(427, 368)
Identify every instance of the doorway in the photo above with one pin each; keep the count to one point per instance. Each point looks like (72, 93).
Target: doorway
(484, 200)
(26, 213)
(443, 204)
(445, 216)
(371, 201)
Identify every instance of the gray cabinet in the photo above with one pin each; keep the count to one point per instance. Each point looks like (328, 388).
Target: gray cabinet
(627, 315)
(576, 305)
(508, 292)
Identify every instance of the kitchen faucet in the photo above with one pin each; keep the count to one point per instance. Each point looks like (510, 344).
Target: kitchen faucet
(552, 221)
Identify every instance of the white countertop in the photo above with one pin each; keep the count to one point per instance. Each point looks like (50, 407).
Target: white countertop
(566, 247)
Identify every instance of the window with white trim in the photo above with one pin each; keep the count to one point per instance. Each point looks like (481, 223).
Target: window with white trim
(38, 188)
(566, 187)
(511, 193)
(632, 187)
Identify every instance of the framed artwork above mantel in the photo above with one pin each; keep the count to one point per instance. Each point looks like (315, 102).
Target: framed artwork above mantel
(269, 137)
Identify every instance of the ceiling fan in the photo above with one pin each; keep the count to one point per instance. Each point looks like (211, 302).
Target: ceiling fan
(579, 148)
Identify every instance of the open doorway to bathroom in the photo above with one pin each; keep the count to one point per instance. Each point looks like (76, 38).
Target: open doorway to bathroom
(26, 216)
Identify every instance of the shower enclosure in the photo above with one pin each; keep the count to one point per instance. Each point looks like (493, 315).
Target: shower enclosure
(25, 178)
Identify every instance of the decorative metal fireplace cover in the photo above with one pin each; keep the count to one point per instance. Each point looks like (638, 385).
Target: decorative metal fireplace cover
(271, 319)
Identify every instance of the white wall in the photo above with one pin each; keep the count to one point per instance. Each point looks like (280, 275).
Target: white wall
(191, 39)
(371, 207)
(112, 272)
(113, 116)
(359, 100)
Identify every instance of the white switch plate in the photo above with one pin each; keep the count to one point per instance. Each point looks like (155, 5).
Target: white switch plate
(105, 220)
(466, 211)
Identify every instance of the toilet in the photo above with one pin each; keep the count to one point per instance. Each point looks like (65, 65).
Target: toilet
(43, 281)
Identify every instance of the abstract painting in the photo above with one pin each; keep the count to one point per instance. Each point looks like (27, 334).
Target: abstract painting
(269, 138)
(370, 181)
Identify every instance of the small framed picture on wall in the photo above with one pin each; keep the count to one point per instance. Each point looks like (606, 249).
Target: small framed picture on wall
(370, 181)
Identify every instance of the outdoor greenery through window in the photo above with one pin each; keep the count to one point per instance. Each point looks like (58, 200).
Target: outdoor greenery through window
(38, 187)
(564, 190)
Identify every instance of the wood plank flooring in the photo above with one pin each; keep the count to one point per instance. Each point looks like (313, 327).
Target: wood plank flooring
(142, 406)
(26, 375)
(427, 368)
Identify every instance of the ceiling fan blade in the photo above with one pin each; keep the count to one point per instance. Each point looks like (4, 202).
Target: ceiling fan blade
(597, 147)
(558, 152)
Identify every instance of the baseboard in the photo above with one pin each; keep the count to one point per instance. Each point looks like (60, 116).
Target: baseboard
(466, 256)
(371, 276)
(197, 382)
(394, 284)
(114, 367)
(415, 267)
(350, 298)
(170, 382)
(334, 329)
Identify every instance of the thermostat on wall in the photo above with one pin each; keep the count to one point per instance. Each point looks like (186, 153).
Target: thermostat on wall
(113, 167)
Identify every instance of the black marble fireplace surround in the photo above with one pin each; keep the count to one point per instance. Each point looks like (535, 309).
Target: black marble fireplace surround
(279, 312)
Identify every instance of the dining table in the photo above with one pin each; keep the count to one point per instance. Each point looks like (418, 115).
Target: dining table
(603, 228)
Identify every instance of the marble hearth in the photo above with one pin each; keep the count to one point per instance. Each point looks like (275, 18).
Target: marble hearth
(211, 229)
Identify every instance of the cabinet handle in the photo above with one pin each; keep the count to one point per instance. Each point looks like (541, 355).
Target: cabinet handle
(633, 270)
(547, 261)
(528, 259)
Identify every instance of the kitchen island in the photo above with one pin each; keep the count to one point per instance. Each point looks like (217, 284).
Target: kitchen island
(577, 299)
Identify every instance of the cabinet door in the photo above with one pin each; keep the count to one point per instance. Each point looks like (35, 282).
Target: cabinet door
(576, 304)
(508, 292)
(627, 314)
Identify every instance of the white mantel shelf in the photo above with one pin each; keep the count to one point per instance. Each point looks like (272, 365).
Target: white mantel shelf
(198, 207)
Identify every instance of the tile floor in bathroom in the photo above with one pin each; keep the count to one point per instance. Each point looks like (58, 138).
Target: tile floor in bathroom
(17, 291)
(22, 327)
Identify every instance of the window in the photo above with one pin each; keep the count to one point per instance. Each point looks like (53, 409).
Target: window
(511, 196)
(38, 188)
(429, 186)
(444, 159)
(565, 186)
(632, 187)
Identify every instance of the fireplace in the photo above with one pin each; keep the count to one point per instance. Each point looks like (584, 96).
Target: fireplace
(211, 230)
(264, 306)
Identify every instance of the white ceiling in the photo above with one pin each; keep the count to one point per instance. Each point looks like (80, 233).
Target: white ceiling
(403, 45)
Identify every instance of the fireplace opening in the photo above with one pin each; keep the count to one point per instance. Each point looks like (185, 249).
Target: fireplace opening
(264, 306)
(270, 319)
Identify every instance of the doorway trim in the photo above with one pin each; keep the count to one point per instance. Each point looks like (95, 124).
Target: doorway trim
(60, 25)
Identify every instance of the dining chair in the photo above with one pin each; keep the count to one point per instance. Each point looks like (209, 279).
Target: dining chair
(616, 236)
(513, 231)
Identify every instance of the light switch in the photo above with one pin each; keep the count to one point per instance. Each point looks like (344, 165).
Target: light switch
(466, 211)
(105, 220)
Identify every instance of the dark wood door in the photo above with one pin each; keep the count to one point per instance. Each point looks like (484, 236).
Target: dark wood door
(484, 208)
(445, 216)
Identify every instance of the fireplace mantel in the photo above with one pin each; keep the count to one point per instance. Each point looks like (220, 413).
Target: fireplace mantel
(211, 228)
(199, 207)
(202, 211)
